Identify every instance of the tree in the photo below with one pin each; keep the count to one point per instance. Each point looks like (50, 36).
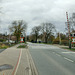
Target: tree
(35, 31)
(62, 36)
(17, 28)
(71, 23)
(47, 30)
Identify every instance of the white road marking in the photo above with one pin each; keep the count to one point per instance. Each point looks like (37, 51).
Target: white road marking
(68, 52)
(68, 59)
(18, 63)
(28, 63)
(53, 52)
(57, 54)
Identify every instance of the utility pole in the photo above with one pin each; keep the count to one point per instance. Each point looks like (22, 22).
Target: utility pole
(68, 30)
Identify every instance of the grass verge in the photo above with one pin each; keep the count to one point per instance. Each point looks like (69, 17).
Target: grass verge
(3, 46)
(72, 49)
(22, 46)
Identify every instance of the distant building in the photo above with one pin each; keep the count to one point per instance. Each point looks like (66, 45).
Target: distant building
(7, 37)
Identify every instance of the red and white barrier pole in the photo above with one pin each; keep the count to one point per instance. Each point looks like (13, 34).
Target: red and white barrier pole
(68, 30)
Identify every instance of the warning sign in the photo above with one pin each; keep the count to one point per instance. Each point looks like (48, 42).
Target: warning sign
(21, 38)
(73, 40)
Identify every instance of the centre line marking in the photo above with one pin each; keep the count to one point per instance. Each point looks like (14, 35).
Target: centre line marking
(57, 54)
(53, 52)
(18, 62)
(68, 59)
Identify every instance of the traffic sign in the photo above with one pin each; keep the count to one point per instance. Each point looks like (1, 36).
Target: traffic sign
(21, 38)
(72, 34)
(73, 40)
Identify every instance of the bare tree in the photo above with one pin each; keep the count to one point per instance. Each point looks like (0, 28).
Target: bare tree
(35, 31)
(17, 28)
(47, 30)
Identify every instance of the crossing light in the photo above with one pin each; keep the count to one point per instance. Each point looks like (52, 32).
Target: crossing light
(72, 34)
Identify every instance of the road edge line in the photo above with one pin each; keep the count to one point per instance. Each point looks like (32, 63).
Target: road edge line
(32, 65)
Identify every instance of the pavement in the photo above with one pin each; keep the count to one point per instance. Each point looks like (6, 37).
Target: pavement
(15, 61)
(52, 60)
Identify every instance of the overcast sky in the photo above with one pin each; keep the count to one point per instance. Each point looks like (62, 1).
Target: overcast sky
(35, 12)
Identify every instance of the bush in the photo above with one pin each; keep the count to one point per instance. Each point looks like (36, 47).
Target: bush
(1, 40)
(1, 43)
(32, 41)
(22, 46)
(65, 42)
(56, 42)
(3, 46)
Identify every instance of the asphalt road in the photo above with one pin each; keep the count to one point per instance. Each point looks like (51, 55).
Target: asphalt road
(52, 60)
(1, 50)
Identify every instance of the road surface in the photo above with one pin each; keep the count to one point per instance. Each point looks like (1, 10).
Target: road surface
(1, 50)
(52, 60)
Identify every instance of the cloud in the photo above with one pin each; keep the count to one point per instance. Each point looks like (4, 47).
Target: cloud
(36, 11)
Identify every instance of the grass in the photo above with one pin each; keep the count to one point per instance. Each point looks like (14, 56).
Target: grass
(22, 46)
(3, 46)
(12, 45)
(72, 49)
